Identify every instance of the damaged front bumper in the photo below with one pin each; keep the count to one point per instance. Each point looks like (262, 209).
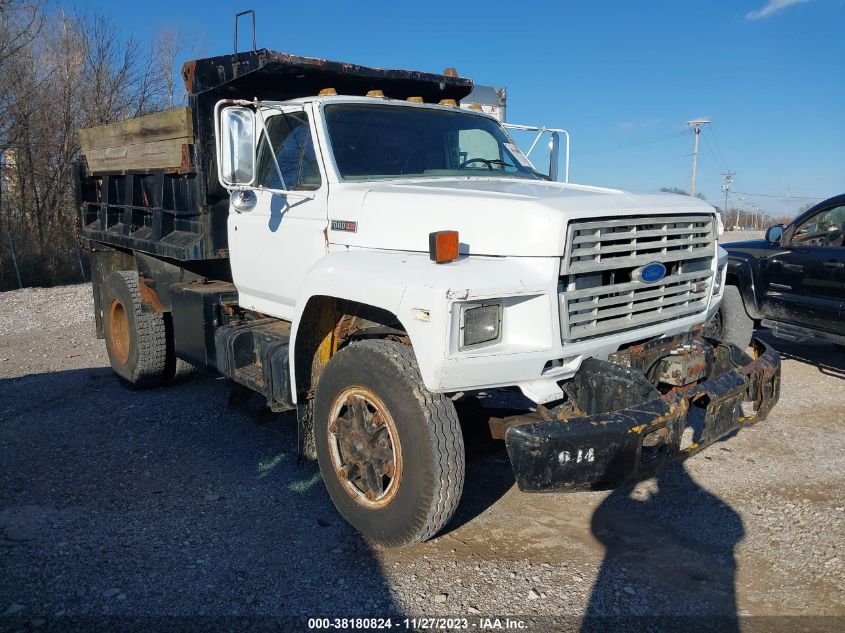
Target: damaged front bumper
(618, 426)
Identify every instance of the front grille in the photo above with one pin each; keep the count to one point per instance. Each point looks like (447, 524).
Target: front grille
(598, 294)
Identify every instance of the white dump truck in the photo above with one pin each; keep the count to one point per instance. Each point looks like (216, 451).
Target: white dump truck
(349, 243)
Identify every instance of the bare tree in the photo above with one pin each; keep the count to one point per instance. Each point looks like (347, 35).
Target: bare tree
(62, 72)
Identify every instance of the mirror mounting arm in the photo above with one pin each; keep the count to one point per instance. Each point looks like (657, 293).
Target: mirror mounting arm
(272, 149)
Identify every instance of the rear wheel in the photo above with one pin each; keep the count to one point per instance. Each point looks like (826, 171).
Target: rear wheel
(136, 340)
(391, 452)
(734, 324)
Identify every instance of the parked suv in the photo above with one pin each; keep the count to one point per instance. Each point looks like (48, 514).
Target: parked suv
(793, 281)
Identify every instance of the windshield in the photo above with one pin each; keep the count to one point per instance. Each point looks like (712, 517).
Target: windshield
(383, 141)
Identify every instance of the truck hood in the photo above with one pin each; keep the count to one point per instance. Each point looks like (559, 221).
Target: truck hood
(493, 216)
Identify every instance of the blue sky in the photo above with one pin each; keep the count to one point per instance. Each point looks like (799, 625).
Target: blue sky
(622, 77)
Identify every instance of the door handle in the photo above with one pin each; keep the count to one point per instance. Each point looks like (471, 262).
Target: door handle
(834, 264)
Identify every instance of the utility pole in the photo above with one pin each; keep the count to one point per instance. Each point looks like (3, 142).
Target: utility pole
(726, 187)
(695, 126)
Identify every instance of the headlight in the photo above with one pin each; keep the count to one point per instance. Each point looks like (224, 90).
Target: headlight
(481, 324)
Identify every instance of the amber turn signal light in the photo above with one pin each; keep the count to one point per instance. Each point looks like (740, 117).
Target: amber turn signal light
(443, 246)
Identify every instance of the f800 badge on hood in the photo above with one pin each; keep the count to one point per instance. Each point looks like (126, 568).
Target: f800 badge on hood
(650, 273)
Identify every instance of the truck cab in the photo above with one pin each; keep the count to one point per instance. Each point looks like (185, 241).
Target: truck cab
(346, 186)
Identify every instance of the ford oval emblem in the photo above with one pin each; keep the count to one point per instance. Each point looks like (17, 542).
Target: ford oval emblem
(650, 273)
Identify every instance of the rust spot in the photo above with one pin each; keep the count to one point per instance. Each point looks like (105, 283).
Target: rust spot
(149, 297)
(188, 71)
(186, 158)
(636, 350)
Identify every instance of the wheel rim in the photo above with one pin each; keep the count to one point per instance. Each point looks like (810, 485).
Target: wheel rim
(364, 448)
(119, 332)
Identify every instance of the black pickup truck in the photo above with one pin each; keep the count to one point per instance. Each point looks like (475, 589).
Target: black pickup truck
(793, 281)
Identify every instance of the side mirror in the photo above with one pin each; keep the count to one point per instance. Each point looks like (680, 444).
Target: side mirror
(834, 233)
(235, 127)
(774, 233)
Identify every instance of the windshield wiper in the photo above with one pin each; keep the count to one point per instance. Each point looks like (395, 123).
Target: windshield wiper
(499, 161)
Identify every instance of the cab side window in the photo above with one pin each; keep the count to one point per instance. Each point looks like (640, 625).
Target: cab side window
(290, 137)
(826, 228)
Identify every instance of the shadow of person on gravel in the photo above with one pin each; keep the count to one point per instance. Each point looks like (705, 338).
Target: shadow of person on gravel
(146, 505)
(669, 563)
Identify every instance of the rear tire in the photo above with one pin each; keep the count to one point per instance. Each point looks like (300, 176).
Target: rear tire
(391, 452)
(136, 340)
(736, 326)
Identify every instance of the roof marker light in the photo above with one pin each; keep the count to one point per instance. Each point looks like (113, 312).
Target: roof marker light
(327, 91)
(375, 93)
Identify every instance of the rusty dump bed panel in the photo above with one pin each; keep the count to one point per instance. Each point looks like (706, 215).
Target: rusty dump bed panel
(179, 211)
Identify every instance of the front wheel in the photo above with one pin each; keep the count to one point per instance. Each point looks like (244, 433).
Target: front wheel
(391, 452)
(735, 326)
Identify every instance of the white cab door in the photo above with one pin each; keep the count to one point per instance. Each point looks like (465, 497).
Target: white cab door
(272, 246)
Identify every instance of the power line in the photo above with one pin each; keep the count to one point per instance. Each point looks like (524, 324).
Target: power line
(771, 195)
(708, 148)
(711, 161)
(716, 143)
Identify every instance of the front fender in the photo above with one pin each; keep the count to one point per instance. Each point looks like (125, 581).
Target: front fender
(420, 293)
(741, 269)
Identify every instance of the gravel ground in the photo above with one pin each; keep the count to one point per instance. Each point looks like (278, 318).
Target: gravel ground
(170, 502)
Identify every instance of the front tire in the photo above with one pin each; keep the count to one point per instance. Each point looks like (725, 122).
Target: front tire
(735, 324)
(391, 452)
